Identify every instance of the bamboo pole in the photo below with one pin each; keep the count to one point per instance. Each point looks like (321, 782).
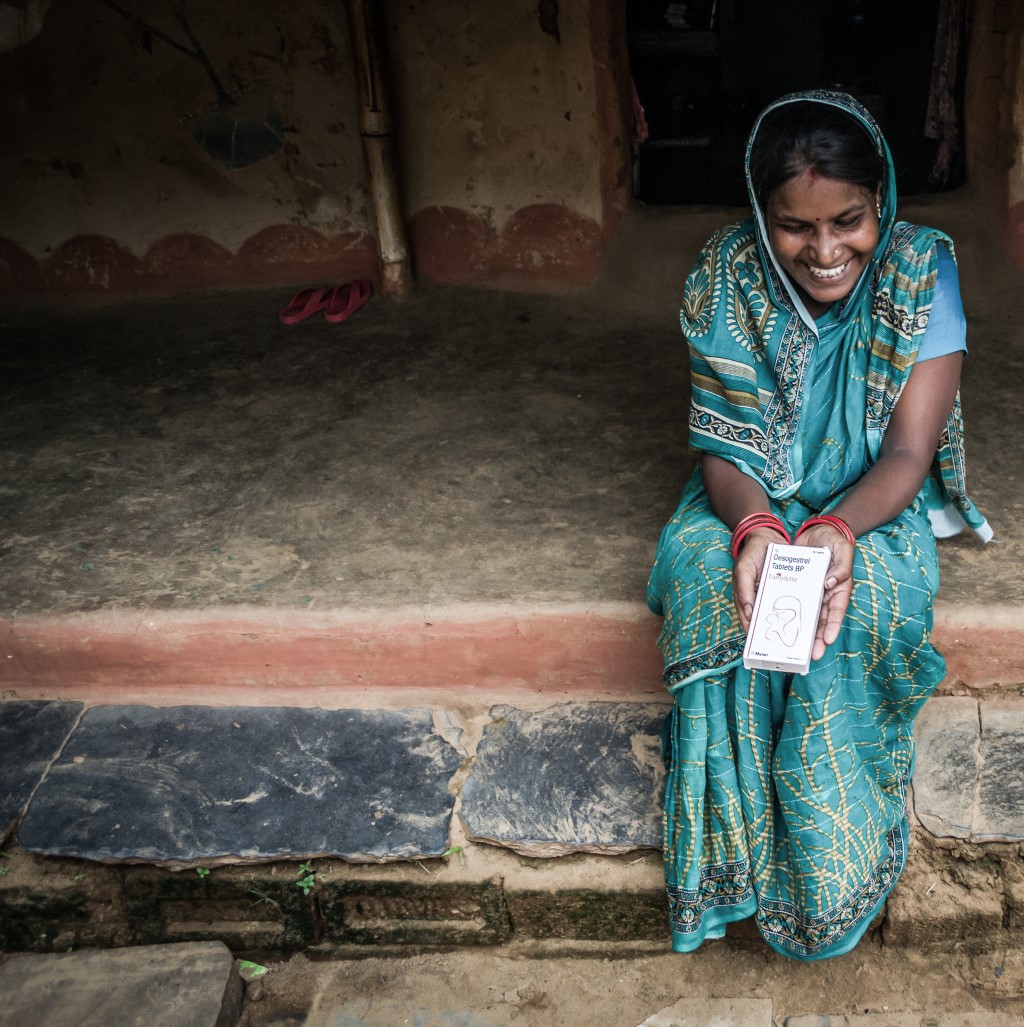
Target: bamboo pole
(375, 127)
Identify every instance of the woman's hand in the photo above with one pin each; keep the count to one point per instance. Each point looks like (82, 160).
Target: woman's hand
(746, 572)
(838, 583)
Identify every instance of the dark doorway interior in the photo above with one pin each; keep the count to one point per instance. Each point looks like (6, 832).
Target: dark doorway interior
(704, 68)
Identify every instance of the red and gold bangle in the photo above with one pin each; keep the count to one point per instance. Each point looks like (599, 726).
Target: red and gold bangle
(833, 522)
(760, 519)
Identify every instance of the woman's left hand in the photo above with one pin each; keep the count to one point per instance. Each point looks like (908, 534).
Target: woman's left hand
(838, 583)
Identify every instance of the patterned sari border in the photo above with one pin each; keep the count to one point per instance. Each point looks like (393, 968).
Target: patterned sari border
(781, 924)
(720, 657)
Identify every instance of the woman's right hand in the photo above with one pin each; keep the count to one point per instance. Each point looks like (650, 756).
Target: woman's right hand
(746, 572)
(838, 584)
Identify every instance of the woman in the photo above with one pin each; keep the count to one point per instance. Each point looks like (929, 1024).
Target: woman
(825, 340)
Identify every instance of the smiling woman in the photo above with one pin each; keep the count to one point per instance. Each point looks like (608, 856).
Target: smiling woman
(823, 233)
(818, 179)
(826, 340)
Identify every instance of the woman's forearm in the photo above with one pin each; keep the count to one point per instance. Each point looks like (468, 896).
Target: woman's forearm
(884, 492)
(908, 448)
(732, 493)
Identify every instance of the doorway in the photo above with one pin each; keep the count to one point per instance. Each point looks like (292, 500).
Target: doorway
(703, 69)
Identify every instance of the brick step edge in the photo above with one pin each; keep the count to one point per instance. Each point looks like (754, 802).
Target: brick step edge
(952, 895)
(580, 648)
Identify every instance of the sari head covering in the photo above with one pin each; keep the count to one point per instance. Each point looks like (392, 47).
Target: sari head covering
(752, 343)
(785, 796)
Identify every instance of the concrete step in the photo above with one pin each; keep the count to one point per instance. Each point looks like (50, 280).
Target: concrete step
(467, 498)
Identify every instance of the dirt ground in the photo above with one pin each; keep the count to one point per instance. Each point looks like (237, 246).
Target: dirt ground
(591, 988)
(191, 452)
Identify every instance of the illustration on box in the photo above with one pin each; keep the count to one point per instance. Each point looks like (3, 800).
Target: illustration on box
(783, 621)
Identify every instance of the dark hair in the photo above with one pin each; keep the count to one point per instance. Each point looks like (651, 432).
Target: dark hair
(802, 135)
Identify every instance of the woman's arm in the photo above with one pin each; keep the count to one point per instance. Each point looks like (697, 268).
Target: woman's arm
(908, 448)
(885, 490)
(888, 487)
(733, 495)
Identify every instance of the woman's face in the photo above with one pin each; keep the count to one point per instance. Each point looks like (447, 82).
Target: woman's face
(824, 232)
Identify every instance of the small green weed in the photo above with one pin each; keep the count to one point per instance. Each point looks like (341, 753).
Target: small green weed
(306, 878)
(203, 872)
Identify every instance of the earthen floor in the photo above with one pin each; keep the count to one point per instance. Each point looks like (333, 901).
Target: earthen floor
(462, 489)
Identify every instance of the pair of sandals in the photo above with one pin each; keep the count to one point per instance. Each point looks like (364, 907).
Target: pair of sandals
(338, 302)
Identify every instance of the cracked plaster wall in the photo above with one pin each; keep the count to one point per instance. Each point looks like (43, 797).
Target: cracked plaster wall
(501, 133)
(510, 118)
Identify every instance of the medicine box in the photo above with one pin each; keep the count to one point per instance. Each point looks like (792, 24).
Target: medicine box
(785, 618)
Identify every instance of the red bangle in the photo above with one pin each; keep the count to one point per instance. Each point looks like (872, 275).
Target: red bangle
(760, 519)
(833, 522)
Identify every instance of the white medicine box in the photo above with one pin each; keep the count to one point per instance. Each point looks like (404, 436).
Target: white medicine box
(785, 618)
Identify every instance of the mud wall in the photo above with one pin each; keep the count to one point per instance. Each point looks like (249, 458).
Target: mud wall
(172, 145)
(1012, 116)
(149, 151)
(514, 156)
(994, 119)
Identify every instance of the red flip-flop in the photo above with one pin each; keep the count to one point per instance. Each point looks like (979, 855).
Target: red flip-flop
(346, 299)
(305, 303)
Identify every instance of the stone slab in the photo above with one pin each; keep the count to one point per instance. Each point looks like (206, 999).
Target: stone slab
(193, 783)
(576, 777)
(183, 985)
(1000, 812)
(31, 734)
(716, 1012)
(946, 734)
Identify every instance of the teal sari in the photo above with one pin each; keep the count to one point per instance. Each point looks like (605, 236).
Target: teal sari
(786, 794)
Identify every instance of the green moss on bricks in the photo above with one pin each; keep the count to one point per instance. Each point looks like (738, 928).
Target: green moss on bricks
(53, 905)
(246, 907)
(589, 915)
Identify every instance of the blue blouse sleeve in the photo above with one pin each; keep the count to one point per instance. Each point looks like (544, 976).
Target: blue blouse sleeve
(947, 326)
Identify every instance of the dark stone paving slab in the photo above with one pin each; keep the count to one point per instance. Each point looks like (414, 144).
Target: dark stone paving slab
(947, 734)
(184, 985)
(1000, 813)
(245, 783)
(31, 734)
(967, 781)
(577, 777)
